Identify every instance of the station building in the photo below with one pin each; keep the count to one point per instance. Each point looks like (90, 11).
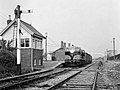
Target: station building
(59, 54)
(116, 57)
(31, 44)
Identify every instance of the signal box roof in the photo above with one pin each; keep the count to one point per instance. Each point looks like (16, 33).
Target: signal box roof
(30, 27)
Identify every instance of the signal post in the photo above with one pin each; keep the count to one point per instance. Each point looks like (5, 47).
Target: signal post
(17, 13)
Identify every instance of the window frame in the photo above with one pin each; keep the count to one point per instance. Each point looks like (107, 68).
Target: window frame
(35, 62)
(25, 43)
(39, 61)
(37, 43)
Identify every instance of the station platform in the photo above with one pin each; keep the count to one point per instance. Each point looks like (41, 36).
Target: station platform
(47, 66)
(51, 64)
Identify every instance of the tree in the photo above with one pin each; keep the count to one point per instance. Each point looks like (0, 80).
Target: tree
(7, 59)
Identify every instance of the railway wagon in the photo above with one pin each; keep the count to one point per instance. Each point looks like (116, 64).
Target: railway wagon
(75, 56)
(88, 58)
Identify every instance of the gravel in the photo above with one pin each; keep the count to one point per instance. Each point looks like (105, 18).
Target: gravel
(110, 75)
(51, 82)
(84, 78)
(113, 72)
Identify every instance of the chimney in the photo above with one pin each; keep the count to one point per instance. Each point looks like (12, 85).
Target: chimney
(69, 44)
(62, 44)
(9, 20)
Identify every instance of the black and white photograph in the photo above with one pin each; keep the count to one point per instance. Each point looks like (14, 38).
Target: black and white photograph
(59, 44)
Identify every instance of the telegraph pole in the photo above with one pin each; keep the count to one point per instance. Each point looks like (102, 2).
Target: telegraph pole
(17, 13)
(106, 54)
(46, 47)
(114, 48)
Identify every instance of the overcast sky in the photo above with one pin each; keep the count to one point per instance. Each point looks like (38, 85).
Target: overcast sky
(90, 24)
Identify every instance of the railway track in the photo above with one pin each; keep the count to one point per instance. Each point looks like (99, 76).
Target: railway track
(87, 78)
(18, 81)
(58, 80)
(100, 84)
(82, 80)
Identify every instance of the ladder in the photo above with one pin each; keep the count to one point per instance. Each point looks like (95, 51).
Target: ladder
(14, 35)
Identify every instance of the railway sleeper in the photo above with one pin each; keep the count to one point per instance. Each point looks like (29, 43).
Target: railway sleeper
(103, 86)
(75, 85)
(73, 89)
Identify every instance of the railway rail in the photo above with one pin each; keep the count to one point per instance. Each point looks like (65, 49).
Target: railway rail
(54, 82)
(75, 81)
(87, 78)
(10, 83)
(99, 83)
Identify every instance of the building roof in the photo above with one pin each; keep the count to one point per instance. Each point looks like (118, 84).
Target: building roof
(7, 27)
(58, 50)
(35, 33)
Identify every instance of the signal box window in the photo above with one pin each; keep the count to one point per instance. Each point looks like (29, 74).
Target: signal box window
(35, 62)
(37, 43)
(39, 62)
(22, 43)
(25, 42)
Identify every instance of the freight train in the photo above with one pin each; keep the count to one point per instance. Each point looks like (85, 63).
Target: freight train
(76, 57)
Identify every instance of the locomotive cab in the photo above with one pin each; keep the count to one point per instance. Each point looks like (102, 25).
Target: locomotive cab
(83, 54)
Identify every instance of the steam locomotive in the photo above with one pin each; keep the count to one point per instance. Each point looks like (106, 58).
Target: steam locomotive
(75, 56)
